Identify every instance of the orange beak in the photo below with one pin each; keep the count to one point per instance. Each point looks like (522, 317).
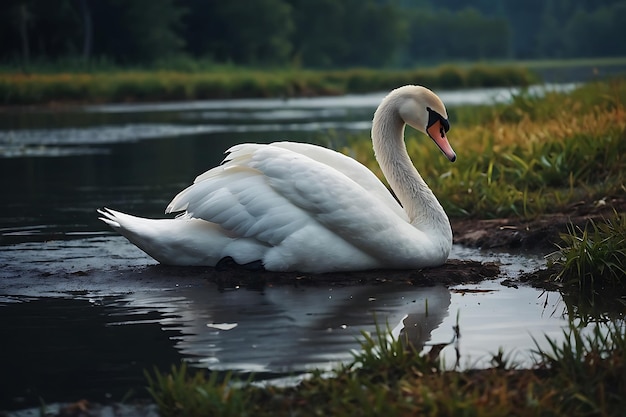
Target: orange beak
(438, 134)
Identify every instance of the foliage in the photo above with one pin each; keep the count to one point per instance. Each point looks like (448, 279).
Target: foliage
(308, 33)
(461, 34)
(225, 82)
(585, 375)
(589, 369)
(181, 394)
(594, 256)
(389, 357)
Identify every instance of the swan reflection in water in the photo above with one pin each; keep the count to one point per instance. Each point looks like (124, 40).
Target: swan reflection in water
(280, 328)
(288, 328)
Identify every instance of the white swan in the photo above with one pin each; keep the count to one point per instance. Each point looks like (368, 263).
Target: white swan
(298, 207)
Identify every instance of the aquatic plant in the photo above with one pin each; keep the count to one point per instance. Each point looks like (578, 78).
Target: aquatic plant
(226, 82)
(182, 393)
(589, 369)
(594, 256)
(389, 357)
(583, 375)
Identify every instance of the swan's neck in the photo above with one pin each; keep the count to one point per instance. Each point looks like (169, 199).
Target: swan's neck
(417, 199)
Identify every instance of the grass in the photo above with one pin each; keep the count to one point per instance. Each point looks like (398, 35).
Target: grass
(584, 375)
(590, 370)
(594, 257)
(533, 156)
(19, 88)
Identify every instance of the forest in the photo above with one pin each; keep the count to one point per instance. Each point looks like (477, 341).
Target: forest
(317, 34)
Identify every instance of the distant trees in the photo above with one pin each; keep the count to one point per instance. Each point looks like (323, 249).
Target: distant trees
(137, 30)
(310, 33)
(330, 33)
(244, 32)
(464, 34)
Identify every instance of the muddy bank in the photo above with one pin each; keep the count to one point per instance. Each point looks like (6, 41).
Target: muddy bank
(453, 272)
(540, 234)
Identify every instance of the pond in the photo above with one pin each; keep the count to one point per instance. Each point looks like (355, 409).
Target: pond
(83, 312)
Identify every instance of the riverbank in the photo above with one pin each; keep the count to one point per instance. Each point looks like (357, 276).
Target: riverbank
(58, 84)
(167, 85)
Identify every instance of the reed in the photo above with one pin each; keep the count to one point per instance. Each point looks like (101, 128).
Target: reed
(594, 257)
(583, 375)
(589, 369)
(140, 85)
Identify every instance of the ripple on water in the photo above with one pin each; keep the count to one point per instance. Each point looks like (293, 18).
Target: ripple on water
(88, 287)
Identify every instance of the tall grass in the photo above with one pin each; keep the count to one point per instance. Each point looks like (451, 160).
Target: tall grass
(589, 369)
(180, 393)
(140, 85)
(583, 375)
(594, 257)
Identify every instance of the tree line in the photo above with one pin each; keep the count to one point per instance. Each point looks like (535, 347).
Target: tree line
(309, 33)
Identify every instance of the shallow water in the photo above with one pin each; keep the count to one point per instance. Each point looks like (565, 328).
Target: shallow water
(83, 312)
(85, 316)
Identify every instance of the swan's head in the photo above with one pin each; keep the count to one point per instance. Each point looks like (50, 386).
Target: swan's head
(421, 109)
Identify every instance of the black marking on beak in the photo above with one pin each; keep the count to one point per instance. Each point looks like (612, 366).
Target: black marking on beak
(433, 116)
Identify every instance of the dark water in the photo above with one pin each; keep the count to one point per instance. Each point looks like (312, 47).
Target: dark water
(83, 312)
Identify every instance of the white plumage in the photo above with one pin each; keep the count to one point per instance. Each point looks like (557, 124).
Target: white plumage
(300, 207)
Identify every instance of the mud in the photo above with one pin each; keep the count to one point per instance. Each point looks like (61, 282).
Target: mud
(540, 234)
(453, 272)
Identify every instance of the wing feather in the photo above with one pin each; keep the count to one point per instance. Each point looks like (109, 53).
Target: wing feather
(271, 191)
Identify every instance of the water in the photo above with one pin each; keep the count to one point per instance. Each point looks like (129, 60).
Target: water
(83, 312)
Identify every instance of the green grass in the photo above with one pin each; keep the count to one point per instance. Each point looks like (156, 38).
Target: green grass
(594, 257)
(575, 62)
(181, 393)
(19, 88)
(589, 370)
(583, 375)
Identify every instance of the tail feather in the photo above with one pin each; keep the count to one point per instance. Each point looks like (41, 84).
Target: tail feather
(108, 216)
(181, 241)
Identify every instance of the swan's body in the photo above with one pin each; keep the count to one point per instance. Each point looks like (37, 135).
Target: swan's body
(300, 207)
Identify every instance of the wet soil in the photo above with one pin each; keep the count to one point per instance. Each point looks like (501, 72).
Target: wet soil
(540, 234)
(453, 272)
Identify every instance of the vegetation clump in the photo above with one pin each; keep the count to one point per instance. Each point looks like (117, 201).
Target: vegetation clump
(593, 257)
(585, 375)
(226, 82)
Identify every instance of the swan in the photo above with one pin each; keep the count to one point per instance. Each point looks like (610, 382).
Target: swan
(289, 206)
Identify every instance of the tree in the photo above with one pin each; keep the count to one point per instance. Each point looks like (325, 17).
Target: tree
(38, 29)
(347, 33)
(87, 28)
(600, 33)
(240, 31)
(466, 34)
(139, 30)
(317, 38)
(524, 18)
